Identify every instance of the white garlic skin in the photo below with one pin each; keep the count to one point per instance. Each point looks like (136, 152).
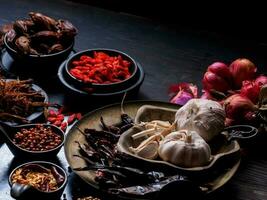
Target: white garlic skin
(178, 150)
(206, 117)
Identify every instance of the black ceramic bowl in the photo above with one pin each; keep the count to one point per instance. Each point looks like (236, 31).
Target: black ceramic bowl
(18, 151)
(37, 60)
(19, 191)
(102, 87)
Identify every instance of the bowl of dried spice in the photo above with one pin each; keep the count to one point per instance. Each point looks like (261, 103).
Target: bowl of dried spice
(40, 40)
(101, 69)
(21, 101)
(38, 179)
(33, 140)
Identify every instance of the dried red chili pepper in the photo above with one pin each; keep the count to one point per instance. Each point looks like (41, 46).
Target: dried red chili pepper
(63, 126)
(78, 116)
(52, 113)
(60, 117)
(71, 119)
(57, 123)
(52, 119)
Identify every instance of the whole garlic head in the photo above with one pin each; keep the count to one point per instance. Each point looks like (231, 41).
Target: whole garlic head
(185, 148)
(204, 116)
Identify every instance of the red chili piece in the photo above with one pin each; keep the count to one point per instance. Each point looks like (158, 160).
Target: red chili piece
(101, 68)
(71, 119)
(78, 116)
(63, 126)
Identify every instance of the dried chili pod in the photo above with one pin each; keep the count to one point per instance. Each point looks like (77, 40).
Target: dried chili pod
(59, 178)
(111, 128)
(125, 128)
(102, 134)
(44, 21)
(23, 44)
(89, 153)
(126, 119)
(55, 48)
(21, 27)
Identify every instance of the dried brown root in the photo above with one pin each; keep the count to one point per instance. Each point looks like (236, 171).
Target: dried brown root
(7, 116)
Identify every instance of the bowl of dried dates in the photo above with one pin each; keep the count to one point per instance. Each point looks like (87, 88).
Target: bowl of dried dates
(40, 39)
(101, 69)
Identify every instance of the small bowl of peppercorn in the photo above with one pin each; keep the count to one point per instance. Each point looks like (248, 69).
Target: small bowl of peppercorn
(37, 179)
(101, 70)
(33, 140)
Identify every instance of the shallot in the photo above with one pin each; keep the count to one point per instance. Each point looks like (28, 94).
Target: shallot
(242, 69)
(217, 77)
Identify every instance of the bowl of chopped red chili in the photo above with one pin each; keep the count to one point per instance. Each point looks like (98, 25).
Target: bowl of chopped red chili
(34, 140)
(101, 69)
(37, 179)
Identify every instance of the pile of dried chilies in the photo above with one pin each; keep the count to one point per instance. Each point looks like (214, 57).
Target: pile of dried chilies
(117, 172)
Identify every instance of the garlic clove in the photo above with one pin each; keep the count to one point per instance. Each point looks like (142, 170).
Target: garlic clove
(149, 151)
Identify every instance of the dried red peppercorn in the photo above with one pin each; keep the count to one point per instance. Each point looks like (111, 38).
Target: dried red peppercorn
(38, 138)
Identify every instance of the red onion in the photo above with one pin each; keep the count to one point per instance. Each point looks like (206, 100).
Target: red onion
(250, 90)
(207, 95)
(229, 122)
(242, 69)
(239, 108)
(221, 70)
(261, 80)
(217, 77)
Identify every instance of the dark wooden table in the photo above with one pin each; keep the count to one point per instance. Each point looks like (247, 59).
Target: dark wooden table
(168, 55)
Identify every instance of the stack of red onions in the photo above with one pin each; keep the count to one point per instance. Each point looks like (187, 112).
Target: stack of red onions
(236, 87)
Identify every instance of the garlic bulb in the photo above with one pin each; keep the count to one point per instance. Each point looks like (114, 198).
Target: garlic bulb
(185, 148)
(204, 116)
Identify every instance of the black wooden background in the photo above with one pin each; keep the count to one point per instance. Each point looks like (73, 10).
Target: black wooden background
(169, 52)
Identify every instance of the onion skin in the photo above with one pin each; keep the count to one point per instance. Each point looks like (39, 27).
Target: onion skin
(181, 98)
(261, 80)
(217, 77)
(229, 122)
(181, 93)
(239, 108)
(221, 70)
(250, 90)
(242, 69)
(207, 95)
